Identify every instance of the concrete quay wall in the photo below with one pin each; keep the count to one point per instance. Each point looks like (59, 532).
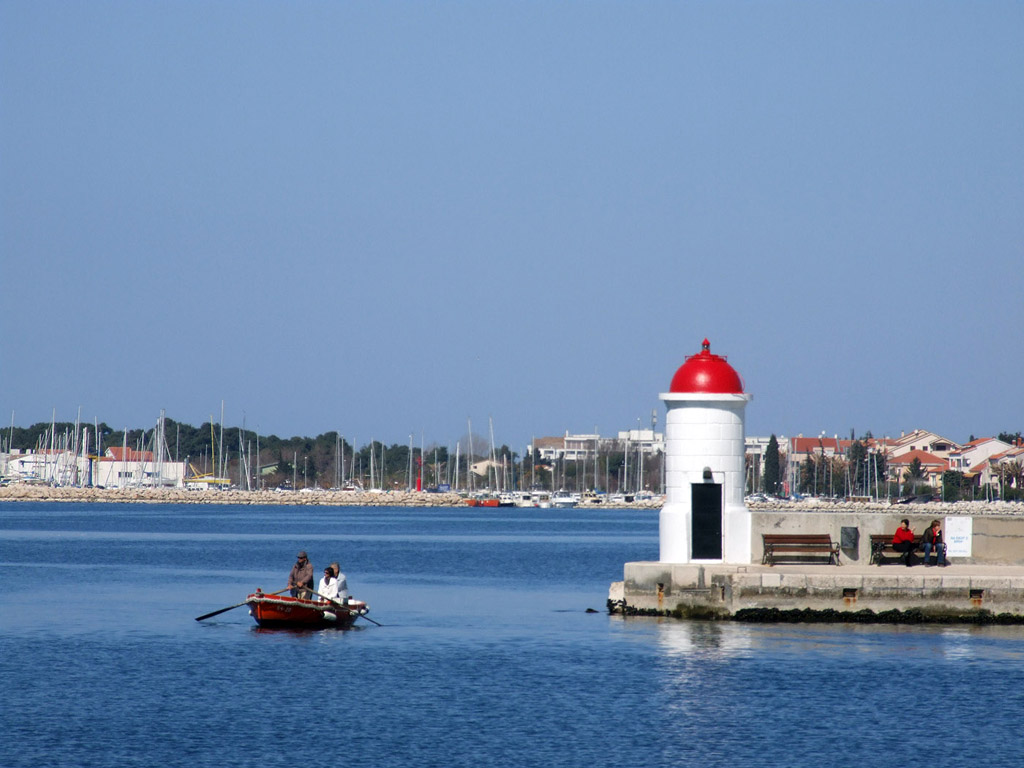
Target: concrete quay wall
(717, 590)
(998, 534)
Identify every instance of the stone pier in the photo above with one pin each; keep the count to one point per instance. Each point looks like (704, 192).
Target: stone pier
(987, 576)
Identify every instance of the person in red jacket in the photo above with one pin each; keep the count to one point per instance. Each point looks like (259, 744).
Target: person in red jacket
(903, 541)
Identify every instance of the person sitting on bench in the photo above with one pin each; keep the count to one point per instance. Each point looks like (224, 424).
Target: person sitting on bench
(903, 541)
(932, 539)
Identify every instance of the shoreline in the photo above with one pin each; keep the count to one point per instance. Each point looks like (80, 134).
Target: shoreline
(36, 493)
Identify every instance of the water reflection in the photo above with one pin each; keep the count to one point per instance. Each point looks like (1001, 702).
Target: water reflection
(703, 639)
(717, 641)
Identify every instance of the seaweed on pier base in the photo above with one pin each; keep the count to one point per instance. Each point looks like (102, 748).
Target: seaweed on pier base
(912, 616)
(825, 616)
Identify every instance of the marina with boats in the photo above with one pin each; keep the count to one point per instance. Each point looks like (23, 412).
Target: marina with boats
(79, 461)
(322, 497)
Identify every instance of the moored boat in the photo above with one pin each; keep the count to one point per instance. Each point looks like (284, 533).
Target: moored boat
(564, 499)
(532, 498)
(285, 612)
(483, 501)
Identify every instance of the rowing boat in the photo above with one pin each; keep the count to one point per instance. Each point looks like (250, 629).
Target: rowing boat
(285, 612)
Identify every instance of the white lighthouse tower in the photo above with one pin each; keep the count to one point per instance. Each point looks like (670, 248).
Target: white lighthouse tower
(704, 519)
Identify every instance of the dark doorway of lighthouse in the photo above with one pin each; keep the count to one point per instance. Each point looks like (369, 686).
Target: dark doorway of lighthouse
(706, 521)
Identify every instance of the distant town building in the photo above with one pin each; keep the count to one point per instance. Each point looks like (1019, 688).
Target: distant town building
(976, 453)
(646, 441)
(584, 447)
(932, 467)
(923, 440)
(998, 472)
(988, 464)
(117, 468)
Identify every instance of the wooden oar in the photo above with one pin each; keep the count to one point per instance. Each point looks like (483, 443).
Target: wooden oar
(344, 607)
(239, 605)
(363, 616)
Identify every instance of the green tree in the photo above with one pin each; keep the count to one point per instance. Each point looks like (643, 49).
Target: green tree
(808, 471)
(913, 475)
(856, 456)
(952, 485)
(771, 466)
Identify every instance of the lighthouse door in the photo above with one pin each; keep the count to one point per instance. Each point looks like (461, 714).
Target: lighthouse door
(706, 521)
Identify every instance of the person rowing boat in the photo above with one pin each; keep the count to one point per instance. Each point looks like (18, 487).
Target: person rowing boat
(300, 580)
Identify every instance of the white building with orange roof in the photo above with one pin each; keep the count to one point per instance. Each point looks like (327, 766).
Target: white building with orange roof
(800, 447)
(1004, 470)
(819, 447)
(923, 440)
(118, 467)
(932, 467)
(976, 452)
(121, 467)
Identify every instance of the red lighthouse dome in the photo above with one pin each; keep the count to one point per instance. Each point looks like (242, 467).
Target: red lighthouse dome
(707, 373)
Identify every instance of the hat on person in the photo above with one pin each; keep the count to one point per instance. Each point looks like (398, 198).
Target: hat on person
(302, 555)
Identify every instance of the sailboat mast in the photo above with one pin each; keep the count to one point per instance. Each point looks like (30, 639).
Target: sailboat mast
(224, 464)
(493, 462)
(376, 470)
(469, 454)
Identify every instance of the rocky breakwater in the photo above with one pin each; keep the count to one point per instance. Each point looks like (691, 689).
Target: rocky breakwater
(311, 497)
(883, 506)
(23, 492)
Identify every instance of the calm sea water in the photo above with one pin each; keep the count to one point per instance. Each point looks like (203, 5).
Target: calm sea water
(487, 655)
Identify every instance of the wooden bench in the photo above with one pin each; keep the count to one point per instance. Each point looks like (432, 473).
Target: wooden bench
(799, 545)
(881, 545)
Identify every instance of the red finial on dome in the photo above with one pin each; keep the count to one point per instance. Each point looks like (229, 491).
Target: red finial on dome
(707, 373)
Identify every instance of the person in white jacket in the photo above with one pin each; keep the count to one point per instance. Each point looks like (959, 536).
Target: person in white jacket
(341, 583)
(328, 588)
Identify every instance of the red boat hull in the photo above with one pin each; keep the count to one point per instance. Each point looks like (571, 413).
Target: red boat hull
(482, 502)
(282, 612)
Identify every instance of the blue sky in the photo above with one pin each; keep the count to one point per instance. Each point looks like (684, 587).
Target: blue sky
(389, 218)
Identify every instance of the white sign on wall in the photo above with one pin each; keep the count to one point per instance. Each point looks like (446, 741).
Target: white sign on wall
(958, 536)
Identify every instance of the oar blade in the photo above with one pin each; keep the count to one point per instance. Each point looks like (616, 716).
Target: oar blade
(364, 616)
(222, 610)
